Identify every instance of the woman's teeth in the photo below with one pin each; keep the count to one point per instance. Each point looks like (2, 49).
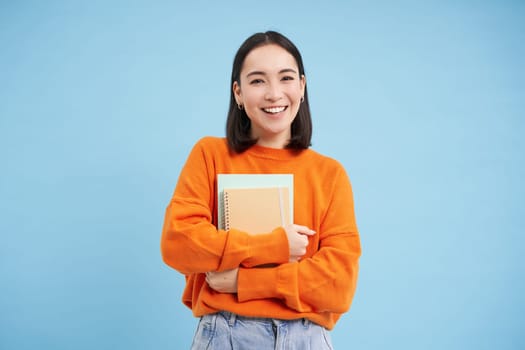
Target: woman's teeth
(274, 110)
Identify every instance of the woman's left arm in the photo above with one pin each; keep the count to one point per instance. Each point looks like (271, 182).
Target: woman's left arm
(324, 282)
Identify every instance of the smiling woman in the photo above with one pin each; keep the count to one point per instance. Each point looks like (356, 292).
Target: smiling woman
(271, 90)
(256, 61)
(282, 289)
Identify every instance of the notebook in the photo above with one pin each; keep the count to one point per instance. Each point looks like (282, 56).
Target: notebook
(253, 181)
(256, 210)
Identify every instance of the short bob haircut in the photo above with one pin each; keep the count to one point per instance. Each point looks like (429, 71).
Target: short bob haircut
(238, 125)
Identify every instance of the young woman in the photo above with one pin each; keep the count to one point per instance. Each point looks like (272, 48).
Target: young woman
(313, 263)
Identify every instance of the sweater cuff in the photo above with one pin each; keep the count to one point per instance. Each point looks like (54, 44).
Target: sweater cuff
(257, 283)
(271, 248)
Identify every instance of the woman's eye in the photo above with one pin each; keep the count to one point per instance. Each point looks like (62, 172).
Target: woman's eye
(288, 78)
(256, 81)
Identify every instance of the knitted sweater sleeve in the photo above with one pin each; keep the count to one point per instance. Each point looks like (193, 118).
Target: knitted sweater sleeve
(190, 242)
(325, 281)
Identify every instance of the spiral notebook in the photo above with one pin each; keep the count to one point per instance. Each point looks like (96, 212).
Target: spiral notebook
(255, 197)
(256, 210)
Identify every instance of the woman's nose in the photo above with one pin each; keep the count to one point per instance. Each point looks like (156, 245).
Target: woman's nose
(273, 92)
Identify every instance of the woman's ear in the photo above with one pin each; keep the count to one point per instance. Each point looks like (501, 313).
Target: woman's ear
(303, 84)
(237, 92)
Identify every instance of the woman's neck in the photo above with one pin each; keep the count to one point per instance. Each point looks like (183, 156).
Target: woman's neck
(273, 141)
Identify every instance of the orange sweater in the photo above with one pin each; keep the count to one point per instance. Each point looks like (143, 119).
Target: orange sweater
(320, 287)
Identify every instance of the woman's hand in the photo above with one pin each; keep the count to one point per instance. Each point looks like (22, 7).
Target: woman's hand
(224, 281)
(297, 240)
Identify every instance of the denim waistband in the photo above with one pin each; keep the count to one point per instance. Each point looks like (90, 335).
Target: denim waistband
(232, 318)
(227, 330)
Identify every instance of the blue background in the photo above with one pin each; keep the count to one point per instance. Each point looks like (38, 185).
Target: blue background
(422, 101)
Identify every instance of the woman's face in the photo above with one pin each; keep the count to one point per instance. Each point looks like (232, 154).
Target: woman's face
(270, 91)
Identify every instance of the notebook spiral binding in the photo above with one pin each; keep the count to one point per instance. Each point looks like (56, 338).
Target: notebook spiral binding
(226, 212)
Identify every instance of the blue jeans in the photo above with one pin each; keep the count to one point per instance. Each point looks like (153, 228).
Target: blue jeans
(225, 331)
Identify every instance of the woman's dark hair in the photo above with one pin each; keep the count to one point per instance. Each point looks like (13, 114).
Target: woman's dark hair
(238, 125)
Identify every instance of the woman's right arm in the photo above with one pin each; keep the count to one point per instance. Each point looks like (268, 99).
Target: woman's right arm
(190, 242)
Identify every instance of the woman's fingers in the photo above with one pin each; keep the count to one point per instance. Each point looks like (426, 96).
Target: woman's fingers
(304, 230)
(298, 240)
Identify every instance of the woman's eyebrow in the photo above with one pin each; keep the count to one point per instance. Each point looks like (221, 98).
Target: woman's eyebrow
(287, 70)
(257, 72)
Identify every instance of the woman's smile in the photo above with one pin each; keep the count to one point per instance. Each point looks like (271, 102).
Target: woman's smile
(274, 110)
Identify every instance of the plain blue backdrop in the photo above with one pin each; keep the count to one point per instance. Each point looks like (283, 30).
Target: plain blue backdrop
(422, 101)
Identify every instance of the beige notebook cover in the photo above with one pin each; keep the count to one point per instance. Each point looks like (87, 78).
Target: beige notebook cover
(256, 210)
(252, 181)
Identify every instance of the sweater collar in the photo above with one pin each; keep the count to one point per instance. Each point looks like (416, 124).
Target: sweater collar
(273, 153)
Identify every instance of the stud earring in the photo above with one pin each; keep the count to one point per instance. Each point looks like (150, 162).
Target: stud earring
(239, 106)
